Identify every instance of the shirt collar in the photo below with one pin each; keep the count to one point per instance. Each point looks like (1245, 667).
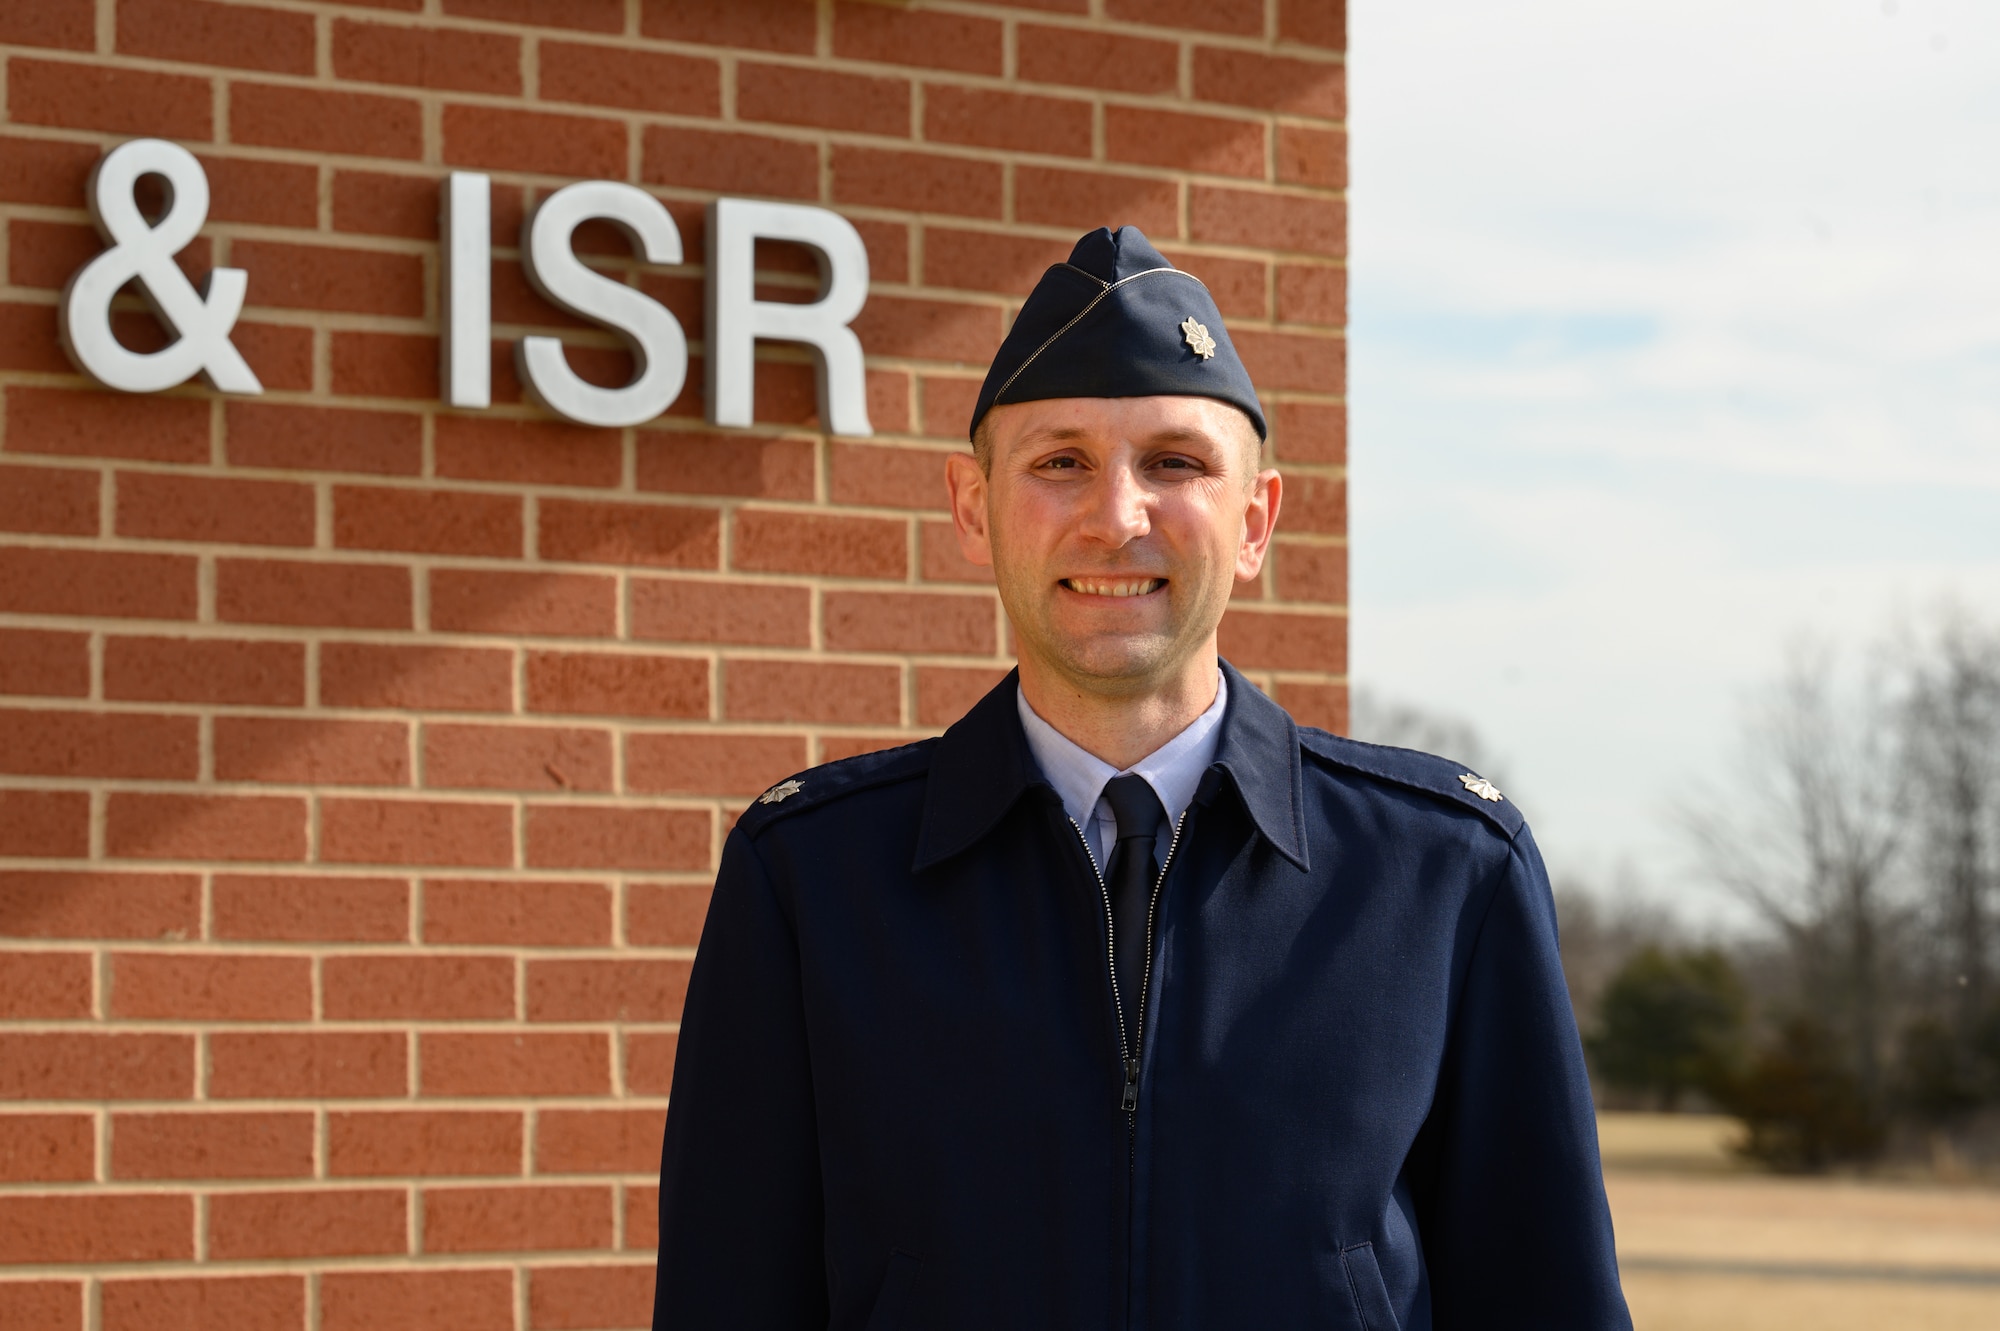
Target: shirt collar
(1173, 770)
(983, 765)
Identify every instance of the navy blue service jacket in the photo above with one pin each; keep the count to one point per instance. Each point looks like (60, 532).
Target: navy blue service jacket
(899, 1102)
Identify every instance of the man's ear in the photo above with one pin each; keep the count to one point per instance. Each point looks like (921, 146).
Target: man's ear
(967, 483)
(1260, 520)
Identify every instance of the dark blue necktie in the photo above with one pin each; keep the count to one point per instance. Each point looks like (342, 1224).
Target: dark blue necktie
(1132, 875)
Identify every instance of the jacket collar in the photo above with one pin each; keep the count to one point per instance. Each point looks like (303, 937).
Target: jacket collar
(982, 766)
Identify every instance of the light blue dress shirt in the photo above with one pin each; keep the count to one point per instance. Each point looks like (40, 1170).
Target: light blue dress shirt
(1173, 771)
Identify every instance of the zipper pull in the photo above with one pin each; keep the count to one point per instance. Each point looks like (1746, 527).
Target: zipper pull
(1129, 1101)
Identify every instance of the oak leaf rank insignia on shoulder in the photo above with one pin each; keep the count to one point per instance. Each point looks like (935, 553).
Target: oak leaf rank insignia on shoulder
(779, 793)
(1481, 787)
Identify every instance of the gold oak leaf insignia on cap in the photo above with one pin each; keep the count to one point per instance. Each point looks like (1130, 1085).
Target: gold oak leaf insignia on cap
(784, 790)
(1481, 787)
(1198, 339)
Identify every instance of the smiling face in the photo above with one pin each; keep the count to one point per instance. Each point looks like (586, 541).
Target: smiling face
(1115, 528)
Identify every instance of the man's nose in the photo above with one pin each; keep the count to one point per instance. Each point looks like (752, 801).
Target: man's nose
(1120, 507)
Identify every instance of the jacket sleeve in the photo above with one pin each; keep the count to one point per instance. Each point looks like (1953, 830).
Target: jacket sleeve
(1515, 1226)
(740, 1206)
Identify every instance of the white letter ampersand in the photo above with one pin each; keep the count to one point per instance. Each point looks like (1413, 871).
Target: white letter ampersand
(202, 319)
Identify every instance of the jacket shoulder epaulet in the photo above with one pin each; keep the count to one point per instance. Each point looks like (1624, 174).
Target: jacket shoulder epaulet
(821, 785)
(1412, 770)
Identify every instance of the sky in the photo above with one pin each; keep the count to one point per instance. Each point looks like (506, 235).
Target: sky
(1675, 343)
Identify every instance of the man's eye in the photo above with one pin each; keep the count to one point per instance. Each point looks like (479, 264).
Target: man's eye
(1175, 464)
(1062, 464)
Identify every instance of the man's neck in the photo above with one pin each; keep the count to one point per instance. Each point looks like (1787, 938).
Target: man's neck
(1121, 729)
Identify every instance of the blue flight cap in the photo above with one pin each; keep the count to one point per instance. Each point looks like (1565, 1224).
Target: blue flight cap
(1117, 320)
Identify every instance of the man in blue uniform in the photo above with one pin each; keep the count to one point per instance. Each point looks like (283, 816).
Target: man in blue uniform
(1127, 1003)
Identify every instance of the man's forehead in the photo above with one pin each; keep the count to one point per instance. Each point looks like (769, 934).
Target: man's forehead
(1158, 419)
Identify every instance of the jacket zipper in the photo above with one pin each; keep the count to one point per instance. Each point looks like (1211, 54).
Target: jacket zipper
(1128, 1046)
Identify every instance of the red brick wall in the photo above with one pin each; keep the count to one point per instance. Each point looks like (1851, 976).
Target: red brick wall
(363, 763)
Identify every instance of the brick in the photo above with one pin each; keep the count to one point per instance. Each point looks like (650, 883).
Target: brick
(1096, 60)
(209, 987)
(80, 1066)
(915, 182)
(706, 763)
(38, 903)
(44, 254)
(1017, 121)
(1071, 199)
(37, 663)
(1308, 156)
(601, 684)
(44, 986)
(364, 831)
(319, 120)
(28, 334)
(665, 914)
(1240, 286)
(84, 1228)
(536, 141)
(638, 80)
(527, 452)
(948, 406)
(122, 101)
(312, 752)
(395, 988)
(205, 670)
(423, 1143)
(1310, 432)
(40, 170)
(1184, 142)
(162, 507)
(1271, 83)
(581, 1297)
(823, 99)
(531, 758)
(448, 679)
(1279, 221)
(84, 744)
(315, 1224)
(241, 189)
(45, 824)
(61, 23)
(754, 613)
(1322, 705)
(590, 15)
(281, 355)
(945, 693)
(516, 1219)
(270, 591)
(598, 1141)
(642, 1218)
(1281, 360)
(1314, 22)
(889, 401)
(299, 909)
(423, 57)
(1280, 640)
(609, 990)
(732, 163)
(769, 541)
(197, 33)
(45, 1148)
(1315, 504)
(210, 1145)
(296, 1065)
(492, 601)
(582, 837)
(204, 827)
(986, 261)
(509, 912)
(826, 693)
(888, 476)
(416, 1300)
(767, 25)
(917, 37)
(933, 329)
(380, 204)
(687, 462)
(181, 1303)
(44, 1305)
(437, 522)
(1312, 572)
(49, 501)
(94, 423)
(546, 1063)
(326, 277)
(655, 535)
(649, 1063)
(926, 622)
(385, 365)
(1241, 17)
(1312, 293)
